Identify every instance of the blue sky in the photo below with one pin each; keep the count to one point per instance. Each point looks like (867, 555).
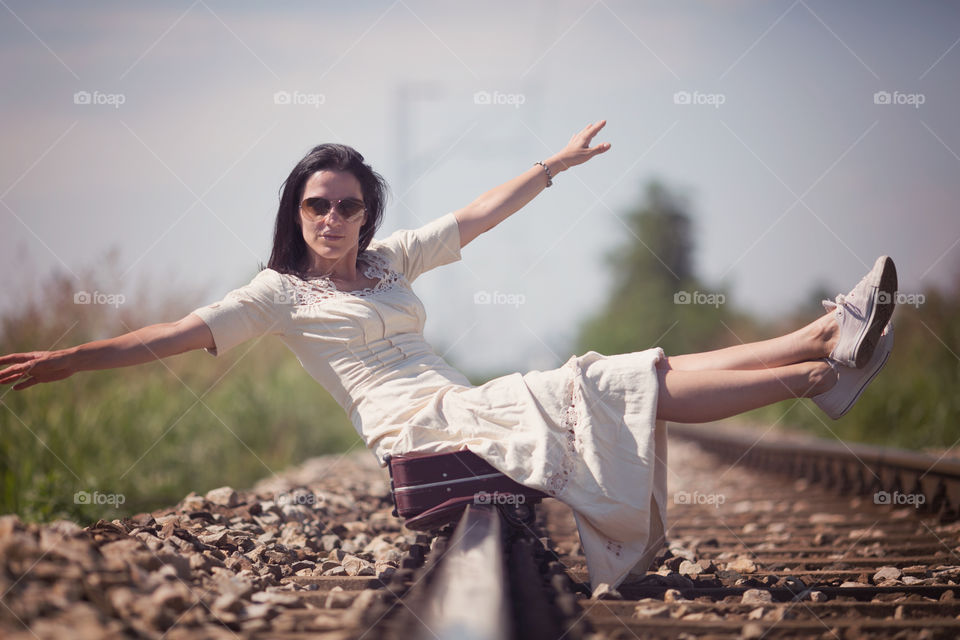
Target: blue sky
(797, 173)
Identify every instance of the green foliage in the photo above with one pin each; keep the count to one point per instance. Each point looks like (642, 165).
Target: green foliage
(656, 298)
(154, 432)
(913, 402)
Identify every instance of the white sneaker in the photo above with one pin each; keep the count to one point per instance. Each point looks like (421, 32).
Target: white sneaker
(863, 313)
(851, 382)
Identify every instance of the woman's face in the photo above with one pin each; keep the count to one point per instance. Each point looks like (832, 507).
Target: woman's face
(331, 236)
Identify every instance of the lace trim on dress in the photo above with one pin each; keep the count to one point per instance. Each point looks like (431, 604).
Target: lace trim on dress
(316, 289)
(558, 480)
(614, 547)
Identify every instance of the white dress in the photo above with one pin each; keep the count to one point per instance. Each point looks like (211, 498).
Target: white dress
(585, 433)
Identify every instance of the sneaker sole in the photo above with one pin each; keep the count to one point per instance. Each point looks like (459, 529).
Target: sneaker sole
(883, 305)
(869, 379)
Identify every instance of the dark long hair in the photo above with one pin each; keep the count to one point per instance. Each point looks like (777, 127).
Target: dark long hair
(289, 249)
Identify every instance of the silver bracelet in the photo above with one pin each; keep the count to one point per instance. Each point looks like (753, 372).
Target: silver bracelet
(547, 169)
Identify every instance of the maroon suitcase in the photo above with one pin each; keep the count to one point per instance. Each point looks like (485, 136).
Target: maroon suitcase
(430, 491)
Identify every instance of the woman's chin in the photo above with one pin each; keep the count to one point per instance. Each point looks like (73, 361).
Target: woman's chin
(330, 251)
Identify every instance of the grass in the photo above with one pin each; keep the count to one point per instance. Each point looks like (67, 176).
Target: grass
(913, 402)
(140, 438)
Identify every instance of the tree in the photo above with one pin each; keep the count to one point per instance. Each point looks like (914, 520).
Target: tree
(656, 298)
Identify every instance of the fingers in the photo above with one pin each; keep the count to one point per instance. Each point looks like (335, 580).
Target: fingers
(16, 357)
(9, 375)
(597, 150)
(590, 131)
(26, 362)
(26, 384)
(600, 148)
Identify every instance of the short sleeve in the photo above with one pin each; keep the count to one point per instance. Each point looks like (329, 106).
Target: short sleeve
(416, 251)
(253, 310)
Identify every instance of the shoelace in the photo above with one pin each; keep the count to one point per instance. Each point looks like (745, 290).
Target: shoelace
(841, 301)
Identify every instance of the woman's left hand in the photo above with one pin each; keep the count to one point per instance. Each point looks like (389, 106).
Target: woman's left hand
(578, 150)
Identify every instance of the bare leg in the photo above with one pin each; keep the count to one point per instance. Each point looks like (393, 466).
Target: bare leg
(704, 396)
(816, 340)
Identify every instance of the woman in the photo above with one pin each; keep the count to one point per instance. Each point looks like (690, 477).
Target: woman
(590, 433)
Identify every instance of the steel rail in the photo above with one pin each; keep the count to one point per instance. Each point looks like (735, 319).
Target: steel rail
(468, 599)
(895, 476)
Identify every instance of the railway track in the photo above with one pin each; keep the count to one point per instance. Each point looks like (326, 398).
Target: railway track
(773, 538)
(755, 554)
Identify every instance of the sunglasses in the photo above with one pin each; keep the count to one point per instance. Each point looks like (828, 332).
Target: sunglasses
(348, 208)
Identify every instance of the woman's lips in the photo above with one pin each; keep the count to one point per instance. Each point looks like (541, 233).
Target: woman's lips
(330, 236)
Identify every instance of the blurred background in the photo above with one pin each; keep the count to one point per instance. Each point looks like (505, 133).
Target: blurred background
(763, 155)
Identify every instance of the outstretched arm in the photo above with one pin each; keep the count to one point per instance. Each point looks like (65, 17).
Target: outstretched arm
(143, 345)
(496, 205)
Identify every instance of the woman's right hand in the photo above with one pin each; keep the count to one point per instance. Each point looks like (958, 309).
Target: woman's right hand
(36, 367)
(150, 343)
